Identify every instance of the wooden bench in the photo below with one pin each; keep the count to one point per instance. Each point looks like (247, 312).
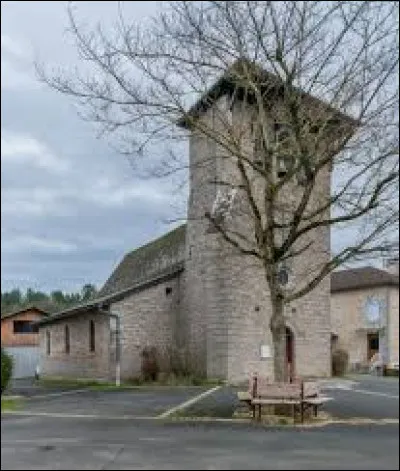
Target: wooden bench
(300, 394)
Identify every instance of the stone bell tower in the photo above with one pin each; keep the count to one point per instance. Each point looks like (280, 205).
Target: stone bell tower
(226, 302)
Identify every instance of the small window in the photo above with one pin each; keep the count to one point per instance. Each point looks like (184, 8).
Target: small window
(284, 165)
(48, 340)
(259, 163)
(282, 133)
(92, 336)
(259, 146)
(24, 327)
(168, 290)
(67, 347)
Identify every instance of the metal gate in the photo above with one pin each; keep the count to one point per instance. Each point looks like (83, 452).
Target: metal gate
(25, 360)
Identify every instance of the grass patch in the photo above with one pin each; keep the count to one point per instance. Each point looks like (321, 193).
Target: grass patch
(197, 413)
(391, 372)
(8, 405)
(79, 383)
(172, 380)
(164, 380)
(70, 382)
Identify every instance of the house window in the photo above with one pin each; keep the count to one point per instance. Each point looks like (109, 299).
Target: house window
(92, 336)
(25, 327)
(67, 348)
(48, 342)
(168, 290)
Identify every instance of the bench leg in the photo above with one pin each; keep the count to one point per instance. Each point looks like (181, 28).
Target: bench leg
(302, 412)
(259, 412)
(315, 411)
(253, 408)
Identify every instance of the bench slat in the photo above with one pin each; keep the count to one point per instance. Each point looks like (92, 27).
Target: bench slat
(280, 390)
(259, 401)
(244, 396)
(317, 400)
(311, 389)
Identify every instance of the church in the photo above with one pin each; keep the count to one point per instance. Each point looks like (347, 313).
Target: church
(202, 307)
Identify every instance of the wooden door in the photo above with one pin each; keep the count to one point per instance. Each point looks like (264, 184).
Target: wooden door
(372, 345)
(289, 355)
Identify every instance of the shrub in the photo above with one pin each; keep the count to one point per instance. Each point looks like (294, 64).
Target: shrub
(6, 370)
(150, 367)
(391, 372)
(340, 362)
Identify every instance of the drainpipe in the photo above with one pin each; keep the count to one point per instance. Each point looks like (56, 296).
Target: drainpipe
(117, 344)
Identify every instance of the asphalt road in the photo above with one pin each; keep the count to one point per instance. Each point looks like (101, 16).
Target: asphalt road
(97, 430)
(70, 443)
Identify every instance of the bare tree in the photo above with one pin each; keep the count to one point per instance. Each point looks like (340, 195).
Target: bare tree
(312, 93)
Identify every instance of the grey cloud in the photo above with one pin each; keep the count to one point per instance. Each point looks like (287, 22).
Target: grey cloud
(62, 230)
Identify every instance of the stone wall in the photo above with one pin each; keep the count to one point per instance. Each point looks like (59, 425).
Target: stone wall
(149, 318)
(80, 362)
(226, 299)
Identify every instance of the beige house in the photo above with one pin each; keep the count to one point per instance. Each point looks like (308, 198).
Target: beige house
(365, 314)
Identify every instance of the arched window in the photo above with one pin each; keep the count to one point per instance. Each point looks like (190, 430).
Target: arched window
(66, 339)
(48, 342)
(92, 334)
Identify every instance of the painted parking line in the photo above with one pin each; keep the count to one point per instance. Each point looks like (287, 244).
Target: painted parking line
(375, 393)
(188, 403)
(63, 393)
(60, 415)
(41, 441)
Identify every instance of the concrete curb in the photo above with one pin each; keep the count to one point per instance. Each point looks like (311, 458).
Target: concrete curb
(168, 419)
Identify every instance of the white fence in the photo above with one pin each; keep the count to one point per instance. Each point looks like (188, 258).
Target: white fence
(25, 359)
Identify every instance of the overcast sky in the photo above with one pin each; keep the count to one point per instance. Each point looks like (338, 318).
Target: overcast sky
(71, 207)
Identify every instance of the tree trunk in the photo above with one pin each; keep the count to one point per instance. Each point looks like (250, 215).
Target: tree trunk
(278, 330)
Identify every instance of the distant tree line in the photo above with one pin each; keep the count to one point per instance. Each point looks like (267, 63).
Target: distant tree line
(50, 302)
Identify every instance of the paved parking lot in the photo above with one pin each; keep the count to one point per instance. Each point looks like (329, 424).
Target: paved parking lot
(143, 401)
(135, 402)
(368, 397)
(363, 397)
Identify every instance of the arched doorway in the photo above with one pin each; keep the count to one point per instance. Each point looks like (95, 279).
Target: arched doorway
(290, 371)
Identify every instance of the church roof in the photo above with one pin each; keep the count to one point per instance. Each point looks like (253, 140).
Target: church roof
(229, 82)
(150, 264)
(148, 261)
(364, 277)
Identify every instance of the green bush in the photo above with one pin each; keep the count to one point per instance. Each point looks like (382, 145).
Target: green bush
(6, 370)
(340, 362)
(391, 372)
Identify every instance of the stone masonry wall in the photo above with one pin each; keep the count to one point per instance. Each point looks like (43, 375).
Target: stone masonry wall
(80, 362)
(227, 297)
(149, 318)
